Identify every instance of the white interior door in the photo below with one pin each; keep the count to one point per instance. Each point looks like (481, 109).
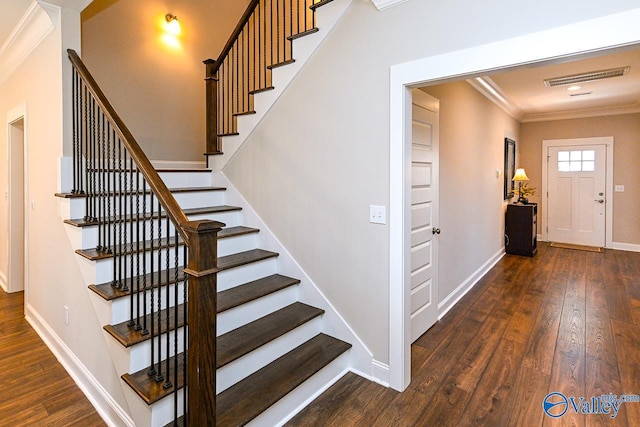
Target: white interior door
(577, 194)
(16, 273)
(424, 213)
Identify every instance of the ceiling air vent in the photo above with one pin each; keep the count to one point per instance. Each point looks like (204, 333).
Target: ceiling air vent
(586, 77)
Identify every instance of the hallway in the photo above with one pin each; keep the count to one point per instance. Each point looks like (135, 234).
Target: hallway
(35, 390)
(564, 321)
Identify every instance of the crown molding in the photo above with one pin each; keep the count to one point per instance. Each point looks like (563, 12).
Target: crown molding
(385, 4)
(492, 91)
(33, 28)
(582, 113)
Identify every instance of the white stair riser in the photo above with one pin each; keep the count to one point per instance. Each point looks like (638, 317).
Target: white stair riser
(186, 179)
(163, 410)
(238, 316)
(121, 307)
(226, 246)
(140, 354)
(90, 234)
(304, 394)
(105, 267)
(241, 368)
(240, 275)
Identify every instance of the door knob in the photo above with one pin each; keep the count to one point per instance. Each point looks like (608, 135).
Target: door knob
(600, 201)
(435, 231)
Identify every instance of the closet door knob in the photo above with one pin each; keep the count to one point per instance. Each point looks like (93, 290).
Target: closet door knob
(435, 231)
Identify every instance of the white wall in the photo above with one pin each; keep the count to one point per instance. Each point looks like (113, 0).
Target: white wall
(54, 279)
(321, 157)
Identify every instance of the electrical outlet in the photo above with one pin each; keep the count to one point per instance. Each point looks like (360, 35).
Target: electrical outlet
(377, 214)
(619, 188)
(66, 315)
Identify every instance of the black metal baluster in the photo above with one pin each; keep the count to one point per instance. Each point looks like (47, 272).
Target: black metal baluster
(159, 376)
(109, 176)
(120, 283)
(167, 383)
(185, 339)
(130, 244)
(145, 330)
(152, 369)
(136, 251)
(74, 159)
(175, 331)
(271, 28)
(100, 147)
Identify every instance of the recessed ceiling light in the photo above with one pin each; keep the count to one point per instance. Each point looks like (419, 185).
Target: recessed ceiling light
(573, 88)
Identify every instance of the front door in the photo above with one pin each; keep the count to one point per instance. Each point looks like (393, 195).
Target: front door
(424, 213)
(577, 194)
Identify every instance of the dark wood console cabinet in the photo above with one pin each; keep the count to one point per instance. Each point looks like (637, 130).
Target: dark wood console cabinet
(521, 229)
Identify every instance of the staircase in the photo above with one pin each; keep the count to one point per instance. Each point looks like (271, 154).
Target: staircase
(163, 249)
(268, 341)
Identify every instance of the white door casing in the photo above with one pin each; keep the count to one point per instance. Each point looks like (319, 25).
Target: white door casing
(548, 46)
(424, 213)
(576, 194)
(572, 210)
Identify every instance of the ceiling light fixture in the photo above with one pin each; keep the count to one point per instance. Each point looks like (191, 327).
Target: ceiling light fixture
(574, 88)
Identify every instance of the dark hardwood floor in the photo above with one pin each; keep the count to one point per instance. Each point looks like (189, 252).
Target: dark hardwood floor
(35, 390)
(564, 321)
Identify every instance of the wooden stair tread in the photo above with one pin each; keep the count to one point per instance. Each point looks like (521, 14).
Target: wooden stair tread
(81, 222)
(247, 399)
(133, 192)
(148, 388)
(280, 64)
(262, 89)
(251, 291)
(319, 4)
(303, 33)
(274, 380)
(245, 339)
(128, 336)
(93, 254)
(109, 292)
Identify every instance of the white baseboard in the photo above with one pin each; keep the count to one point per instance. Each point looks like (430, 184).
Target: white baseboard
(112, 414)
(3, 282)
(468, 283)
(625, 247)
(380, 373)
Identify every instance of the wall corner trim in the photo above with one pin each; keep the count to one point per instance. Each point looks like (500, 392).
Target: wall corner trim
(385, 4)
(34, 27)
(88, 384)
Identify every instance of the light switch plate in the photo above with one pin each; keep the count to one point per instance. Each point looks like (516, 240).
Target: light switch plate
(619, 188)
(377, 214)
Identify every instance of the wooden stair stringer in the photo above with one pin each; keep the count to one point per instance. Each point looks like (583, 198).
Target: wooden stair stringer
(303, 47)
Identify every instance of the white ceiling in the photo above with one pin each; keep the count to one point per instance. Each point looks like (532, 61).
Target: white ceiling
(530, 99)
(522, 89)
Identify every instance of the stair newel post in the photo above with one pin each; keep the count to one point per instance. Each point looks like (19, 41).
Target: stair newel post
(201, 311)
(211, 79)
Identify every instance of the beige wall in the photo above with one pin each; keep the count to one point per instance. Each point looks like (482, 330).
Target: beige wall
(625, 130)
(321, 156)
(472, 132)
(158, 89)
(54, 278)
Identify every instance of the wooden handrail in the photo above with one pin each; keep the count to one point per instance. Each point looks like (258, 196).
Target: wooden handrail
(236, 32)
(159, 188)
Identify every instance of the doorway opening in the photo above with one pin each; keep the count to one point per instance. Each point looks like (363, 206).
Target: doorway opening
(578, 191)
(551, 46)
(16, 206)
